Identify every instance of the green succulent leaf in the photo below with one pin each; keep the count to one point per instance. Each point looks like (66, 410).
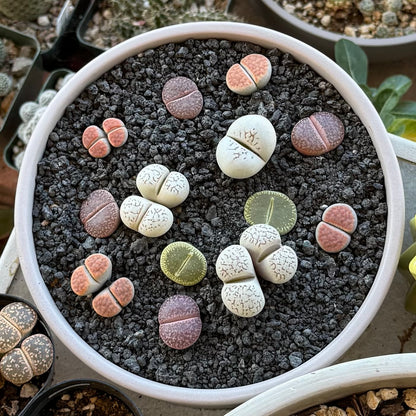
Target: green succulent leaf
(6, 221)
(404, 127)
(405, 109)
(387, 119)
(385, 101)
(397, 83)
(369, 91)
(352, 59)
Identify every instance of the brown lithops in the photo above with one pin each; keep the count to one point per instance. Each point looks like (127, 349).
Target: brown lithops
(116, 131)
(95, 141)
(179, 322)
(317, 134)
(182, 98)
(100, 214)
(110, 301)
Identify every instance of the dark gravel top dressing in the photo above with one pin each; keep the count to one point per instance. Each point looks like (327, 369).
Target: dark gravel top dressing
(300, 317)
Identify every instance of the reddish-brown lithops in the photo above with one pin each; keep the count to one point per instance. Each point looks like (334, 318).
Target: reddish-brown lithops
(179, 322)
(95, 141)
(333, 232)
(100, 214)
(252, 73)
(92, 275)
(116, 131)
(317, 134)
(182, 98)
(110, 301)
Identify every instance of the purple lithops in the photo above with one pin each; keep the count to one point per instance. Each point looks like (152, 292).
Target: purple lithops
(179, 322)
(317, 134)
(333, 232)
(182, 98)
(100, 214)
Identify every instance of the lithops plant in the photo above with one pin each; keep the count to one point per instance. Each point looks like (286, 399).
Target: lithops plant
(272, 208)
(6, 84)
(252, 73)
(116, 131)
(317, 134)
(182, 263)
(33, 358)
(241, 293)
(146, 217)
(91, 276)
(248, 145)
(333, 232)
(156, 183)
(180, 322)
(17, 320)
(111, 301)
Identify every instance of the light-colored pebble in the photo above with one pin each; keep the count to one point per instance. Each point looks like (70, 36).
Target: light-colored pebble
(28, 390)
(410, 398)
(387, 394)
(372, 400)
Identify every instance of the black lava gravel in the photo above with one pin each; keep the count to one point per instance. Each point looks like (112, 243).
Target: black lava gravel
(300, 317)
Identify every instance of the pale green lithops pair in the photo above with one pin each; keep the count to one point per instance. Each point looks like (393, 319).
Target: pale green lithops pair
(248, 145)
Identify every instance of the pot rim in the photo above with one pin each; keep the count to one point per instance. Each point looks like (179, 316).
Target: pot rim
(203, 30)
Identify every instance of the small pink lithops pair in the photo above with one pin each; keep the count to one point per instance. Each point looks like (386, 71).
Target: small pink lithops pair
(179, 322)
(251, 74)
(333, 232)
(100, 214)
(182, 98)
(317, 134)
(91, 276)
(111, 301)
(98, 141)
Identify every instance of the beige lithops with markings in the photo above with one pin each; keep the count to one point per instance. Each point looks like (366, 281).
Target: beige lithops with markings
(156, 183)
(248, 145)
(146, 217)
(241, 293)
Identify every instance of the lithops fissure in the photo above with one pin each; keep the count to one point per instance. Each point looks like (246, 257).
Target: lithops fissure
(146, 217)
(17, 320)
(248, 145)
(241, 293)
(156, 183)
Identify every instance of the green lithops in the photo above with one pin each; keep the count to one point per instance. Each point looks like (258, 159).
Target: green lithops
(272, 208)
(183, 263)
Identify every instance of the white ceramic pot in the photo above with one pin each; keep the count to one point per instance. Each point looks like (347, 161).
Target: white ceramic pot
(232, 31)
(332, 383)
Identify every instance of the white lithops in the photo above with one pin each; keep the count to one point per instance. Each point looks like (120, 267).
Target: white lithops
(157, 183)
(241, 293)
(146, 217)
(248, 145)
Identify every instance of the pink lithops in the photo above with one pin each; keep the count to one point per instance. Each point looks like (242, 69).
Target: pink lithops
(317, 134)
(96, 142)
(179, 322)
(116, 131)
(182, 98)
(333, 232)
(252, 73)
(92, 275)
(100, 214)
(110, 301)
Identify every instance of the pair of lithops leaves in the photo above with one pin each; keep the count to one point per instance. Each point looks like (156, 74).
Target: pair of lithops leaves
(161, 189)
(92, 275)
(260, 252)
(35, 354)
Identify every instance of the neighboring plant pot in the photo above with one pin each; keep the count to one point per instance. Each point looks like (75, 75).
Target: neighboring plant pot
(45, 400)
(267, 38)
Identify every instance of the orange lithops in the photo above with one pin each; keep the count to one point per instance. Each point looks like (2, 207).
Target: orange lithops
(252, 73)
(116, 131)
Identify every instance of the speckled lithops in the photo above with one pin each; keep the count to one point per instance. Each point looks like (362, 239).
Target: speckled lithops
(183, 263)
(17, 320)
(156, 183)
(100, 214)
(111, 301)
(146, 217)
(252, 73)
(116, 131)
(33, 358)
(248, 145)
(317, 134)
(95, 141)
(333, 232)
(241, 293)
(272, 208)
(92, 275)
(180, 322)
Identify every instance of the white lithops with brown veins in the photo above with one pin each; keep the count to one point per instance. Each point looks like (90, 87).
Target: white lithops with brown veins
(146, 217)
(91, 276)
(241, 293)
(252, 73)
(156, 183)
(247, 147)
